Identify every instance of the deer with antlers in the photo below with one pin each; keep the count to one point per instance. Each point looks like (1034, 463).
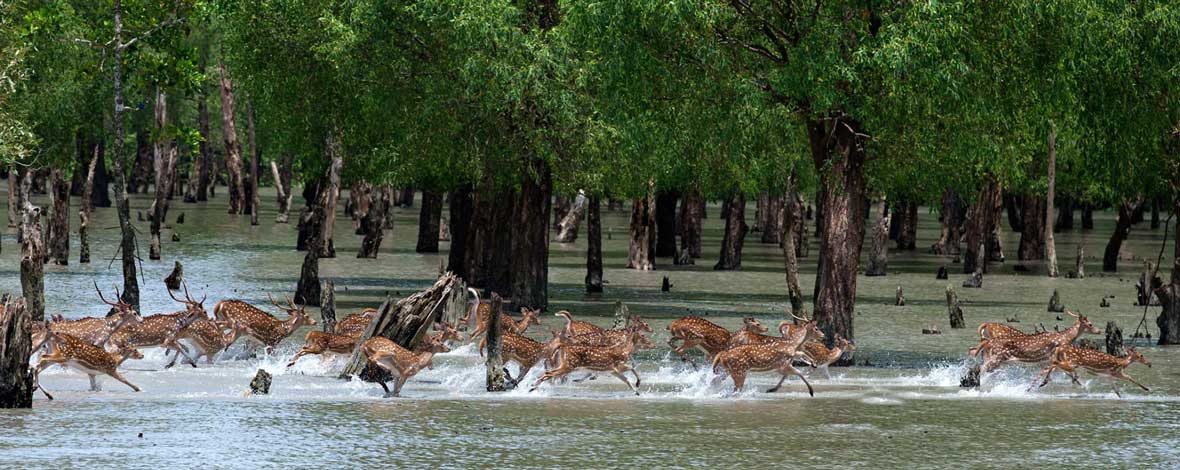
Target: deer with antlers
(614, 358)
(818, 356)
(400, 362)
(92, 330)
(1031, 348)
(693, 331)
(161, 330)
(262, 326)
(1069, 358)
(528, 317)
(208, 338)
(738, 361)
(70, 351)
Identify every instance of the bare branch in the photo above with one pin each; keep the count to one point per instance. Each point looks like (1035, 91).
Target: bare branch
(153, 30)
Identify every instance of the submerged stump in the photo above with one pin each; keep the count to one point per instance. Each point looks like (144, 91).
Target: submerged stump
(1114, 339)
(1055, 304)
(16, 379)
(954, 308)
(172, 282)
(260, 385)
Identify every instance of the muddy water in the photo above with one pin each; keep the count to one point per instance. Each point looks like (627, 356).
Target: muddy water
(905, 409)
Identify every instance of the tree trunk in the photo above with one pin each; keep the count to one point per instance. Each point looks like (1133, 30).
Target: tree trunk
(1016, 215)
(879, 259)
(735, 233)
(1064, 215)
(84, 211)
(307, 290)
(429, 220)
(666, 223)
(254, 165)
(282, 191)
(307, 225)
(141, 171)
(907, 232)
(496, 378)
(561, 207)
(164, 157)
(233, 150)
(387, 200)
(643, 222)
(408, 320)
(127, 242)
(800, 228)
(951, 219)
(372, 225)
(213, 171)
(1088, 216)
(489, 238)
(772, 219)
(530, 237)
(16, 346)
(569, 225)
(406, 198)
(32, 262)
(460, 212)
(1050, 246)
(328, 306)
(593, 247)
(979, 227)
(954, 309)
(330, 194)
(1110, 258)
(792, 218)
(1169, 294)
(58, 239)
(1032, 238)
(13, 199)
(1155, 212)
(839, 159)
(690, 223)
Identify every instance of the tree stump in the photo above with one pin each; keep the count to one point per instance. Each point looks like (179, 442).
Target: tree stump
(260, 385)
(1105, 303)
(32, 263)
(496, 378)
(1079, 270)
(971, 380)
(1168, 320)
(16, 379)
(407, 321)
(900, 299)
(172, 282)
(180, 219)
(328, 306)
(1114, 339)
(954, 308)
(1146, 286)
(942, 274)
(621, 314)
(1055, 304)
(975, 281)
(666, 286)
(932, 330)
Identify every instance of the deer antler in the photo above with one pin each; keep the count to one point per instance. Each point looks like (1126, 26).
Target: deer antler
(272, 302)
(176, 299)
(104, 299)
(1071, 313)
(797, 317)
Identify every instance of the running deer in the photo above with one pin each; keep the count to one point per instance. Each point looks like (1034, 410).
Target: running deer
(507, 323)
(208, 338)
(614, 359)
(994, 330)
(1069, 358)
(750, 333)
(818, 356)
(695, 331)
(262, 326)
(526, 352)
(318, 342)
(161, 330)
(1031, 348)
(70, 351)
(355, 325)
(774, 355)
(578, 327)
(399, 362)
(92, 330)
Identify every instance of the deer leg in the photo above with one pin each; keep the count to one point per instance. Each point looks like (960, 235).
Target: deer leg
(120, 378)
(483, 343)
(298, 355)
(739, 381)
(1114, 383)
(1129, 379)
(681, 350)
(1043, 377)
(627, 367)
(384, 387)
(827, 374)
(94, 386)
(397, 385)
(550, 375)
(622, 377)
(175, 356)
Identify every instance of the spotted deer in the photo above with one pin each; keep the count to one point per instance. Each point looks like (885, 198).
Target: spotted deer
(615, 359)
(318, 342)
(92, 330)
(355, 325)
(1069, 358)
(695, 331)
(261, 326)
(738, 361)
(70, 351)
(208, 338)
(994, 330)
(526, 352)
(750, 333)
(161, 330)
(818, 356)
(1031, 348)
(400, 362)
(507, 323)
(578, 327)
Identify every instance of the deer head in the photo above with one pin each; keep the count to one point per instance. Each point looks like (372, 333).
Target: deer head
(753, 325)
(642, 325)
(121, 308)
(843, 344)
(447, 332)
(1083, 323)
(436, 344)
(530, 317)
(1135, 356)
(298, 316)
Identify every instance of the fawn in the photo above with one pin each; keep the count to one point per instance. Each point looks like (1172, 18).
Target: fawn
(1069, 358)
(526, 352)
(70, 351)
(208, 338)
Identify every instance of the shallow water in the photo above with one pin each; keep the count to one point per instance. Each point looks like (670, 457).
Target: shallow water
(906, 409)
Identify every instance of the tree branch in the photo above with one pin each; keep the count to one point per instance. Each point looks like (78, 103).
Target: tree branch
(151, 31)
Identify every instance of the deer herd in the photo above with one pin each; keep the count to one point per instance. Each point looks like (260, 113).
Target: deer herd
(99, 345)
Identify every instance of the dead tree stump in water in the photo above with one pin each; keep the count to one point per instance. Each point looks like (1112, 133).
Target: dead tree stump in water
(971, 380)
(1055, 304)
(172, 282)
(1114, 339)
(1079, 270)
(879, 258)
(16, 342)
(32, 263)
(328, 306)
(1146, 285)
(942, 274)
(406, 321)
(975, 281)
(900, 300)
(954, 309)
(261, 383)
(496, 378)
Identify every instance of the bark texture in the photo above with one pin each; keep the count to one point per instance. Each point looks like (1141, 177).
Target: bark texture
(429, 220)
(84, 212)
(58, 233)
(1050, 245)
(254, 165)
(907, 235)
(282, 189)
(530, 237)
(572, 221)
(791, 218)
(1110, 258)
(981, 224)
(372, 225)
(593, 246)
(127, 241)
(666, 223)
(328, 306)
(233, 149)
(772, 219)
(1168, 320)
(16, 342)
(690, 223)
(330, 194)
(951, 218)
(734, 213)
(496, 378)
(1032, 237)
(32, 262)
(879, 258)
(641, 254)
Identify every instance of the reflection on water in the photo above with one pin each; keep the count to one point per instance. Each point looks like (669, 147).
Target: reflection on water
(907, 410)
